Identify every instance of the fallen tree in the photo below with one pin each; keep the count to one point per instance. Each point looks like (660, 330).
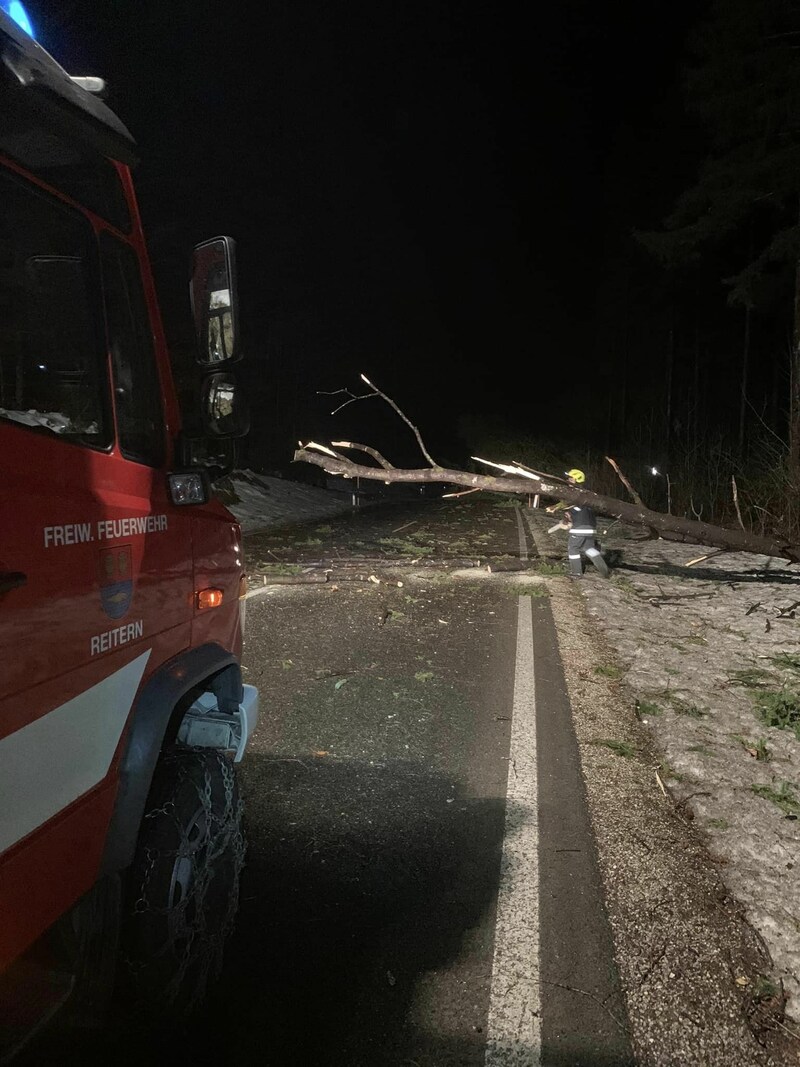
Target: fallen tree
(516, 478)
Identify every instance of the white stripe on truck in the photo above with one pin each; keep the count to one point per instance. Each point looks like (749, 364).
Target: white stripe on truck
(50, 762)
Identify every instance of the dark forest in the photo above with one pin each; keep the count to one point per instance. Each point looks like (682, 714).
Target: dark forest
(548, 240)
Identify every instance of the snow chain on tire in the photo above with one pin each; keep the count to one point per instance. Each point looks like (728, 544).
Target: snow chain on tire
(184, 887)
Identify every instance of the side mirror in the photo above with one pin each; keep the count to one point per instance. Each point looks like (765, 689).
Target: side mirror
(224, 410)
(215, 302)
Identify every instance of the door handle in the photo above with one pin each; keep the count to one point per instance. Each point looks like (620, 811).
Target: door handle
(11, 580)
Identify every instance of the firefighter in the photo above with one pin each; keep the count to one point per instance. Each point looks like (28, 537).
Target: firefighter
(581, 526)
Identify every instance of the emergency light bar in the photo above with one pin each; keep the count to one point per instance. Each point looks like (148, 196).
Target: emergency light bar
(15, 11)
(90, 84)
(35, 80)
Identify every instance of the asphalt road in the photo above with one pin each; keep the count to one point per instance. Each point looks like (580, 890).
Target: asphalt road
(421, 885)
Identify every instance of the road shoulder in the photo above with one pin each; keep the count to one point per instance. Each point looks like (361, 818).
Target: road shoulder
(681, 941)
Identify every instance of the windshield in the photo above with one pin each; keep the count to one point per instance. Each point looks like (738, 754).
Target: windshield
(53, 366)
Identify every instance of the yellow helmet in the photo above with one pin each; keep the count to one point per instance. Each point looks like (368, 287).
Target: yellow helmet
(576, 475)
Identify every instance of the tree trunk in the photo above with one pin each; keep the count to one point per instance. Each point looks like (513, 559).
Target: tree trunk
(794, 389)
(671, 527)
(670, 434)
(744, 383)
(696, 401)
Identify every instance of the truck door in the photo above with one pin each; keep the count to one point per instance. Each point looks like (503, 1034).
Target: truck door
(95, 562)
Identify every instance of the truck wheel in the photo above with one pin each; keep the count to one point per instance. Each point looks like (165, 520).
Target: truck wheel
(89, 934)
(183, 886)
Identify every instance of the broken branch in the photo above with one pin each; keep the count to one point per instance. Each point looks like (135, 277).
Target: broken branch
(509, 468)
(404, 417)
(365, 448)
(708, 555)
(636, 498)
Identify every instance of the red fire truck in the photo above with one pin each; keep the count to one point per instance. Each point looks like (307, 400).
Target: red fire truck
(122, 708)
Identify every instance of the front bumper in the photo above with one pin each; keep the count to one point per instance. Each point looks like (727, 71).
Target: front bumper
(205, 726)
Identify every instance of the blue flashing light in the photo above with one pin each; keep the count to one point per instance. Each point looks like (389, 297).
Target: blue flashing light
(17, 12)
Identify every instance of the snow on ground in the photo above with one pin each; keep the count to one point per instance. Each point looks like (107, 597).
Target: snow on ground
(712, 654)
(263, 500)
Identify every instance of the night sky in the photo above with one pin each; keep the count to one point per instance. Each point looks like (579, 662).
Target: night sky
(425, 192)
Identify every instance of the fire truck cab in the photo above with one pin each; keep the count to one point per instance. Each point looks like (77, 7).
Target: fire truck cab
(122, 708)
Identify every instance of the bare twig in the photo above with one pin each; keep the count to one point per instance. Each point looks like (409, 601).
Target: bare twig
(586, 993)
(464, 492)
(353, 397)
(307, 578)
(387, 466)
(636, 498)
(736, 501)
(661, 784)
(684, 802)
(405, 419)
(775, 517)
(793, 1033)
(784, 445)
(708, 555)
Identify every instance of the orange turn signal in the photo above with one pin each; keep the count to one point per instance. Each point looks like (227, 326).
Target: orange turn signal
(209, 598)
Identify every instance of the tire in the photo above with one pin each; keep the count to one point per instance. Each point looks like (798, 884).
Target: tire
(182, 891)
(89, 934)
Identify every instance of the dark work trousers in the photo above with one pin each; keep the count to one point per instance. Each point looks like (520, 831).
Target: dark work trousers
(580, 544)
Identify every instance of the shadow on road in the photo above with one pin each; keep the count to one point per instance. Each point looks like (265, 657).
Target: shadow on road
(360, 878)
(709, 574)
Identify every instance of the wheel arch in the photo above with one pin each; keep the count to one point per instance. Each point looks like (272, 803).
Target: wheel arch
(155, 719)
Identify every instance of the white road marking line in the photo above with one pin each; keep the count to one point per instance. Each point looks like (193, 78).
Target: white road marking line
(514, 1024)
